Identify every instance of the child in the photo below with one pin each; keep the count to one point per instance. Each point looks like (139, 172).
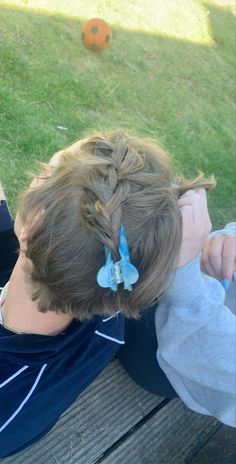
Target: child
(194, 323)
(99, 233)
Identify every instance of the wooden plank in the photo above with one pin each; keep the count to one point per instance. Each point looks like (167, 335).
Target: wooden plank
(109, 407)
(220, 449)
(171, 436)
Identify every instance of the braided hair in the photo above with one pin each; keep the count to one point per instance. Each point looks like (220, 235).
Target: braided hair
(98, 184)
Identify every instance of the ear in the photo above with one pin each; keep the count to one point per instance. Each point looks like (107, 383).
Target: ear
(22, 231)
(23, 234)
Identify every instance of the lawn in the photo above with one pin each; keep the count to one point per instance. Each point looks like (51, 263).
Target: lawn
(168, 74)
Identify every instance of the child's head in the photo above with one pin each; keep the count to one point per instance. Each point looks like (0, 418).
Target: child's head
(99, 184)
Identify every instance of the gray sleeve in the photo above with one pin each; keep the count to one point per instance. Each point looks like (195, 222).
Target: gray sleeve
(229, 229)
(196, 343)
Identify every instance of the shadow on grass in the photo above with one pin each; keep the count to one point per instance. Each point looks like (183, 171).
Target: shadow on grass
(171, 89)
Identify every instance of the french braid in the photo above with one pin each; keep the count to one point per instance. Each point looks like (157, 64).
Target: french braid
(98, 184)
(107, 189)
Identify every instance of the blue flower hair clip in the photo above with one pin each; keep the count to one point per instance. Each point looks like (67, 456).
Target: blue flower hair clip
(113, 274)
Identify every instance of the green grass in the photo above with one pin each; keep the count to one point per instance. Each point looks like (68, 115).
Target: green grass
(169, 74)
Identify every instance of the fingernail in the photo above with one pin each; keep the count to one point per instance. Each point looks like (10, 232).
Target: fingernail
(225, 283)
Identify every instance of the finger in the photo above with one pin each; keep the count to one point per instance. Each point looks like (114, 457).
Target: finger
(200, 208)
(187, 194)
(187, 218)
(201, 214)
(186, 212)
(228, 257)
(197, 199)
(186, 199)
(193, 192)
(203, 196)
(204, 263)
(207, 269)
(215, 256)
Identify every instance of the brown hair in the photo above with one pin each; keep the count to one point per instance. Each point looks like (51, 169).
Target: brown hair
(98, 184)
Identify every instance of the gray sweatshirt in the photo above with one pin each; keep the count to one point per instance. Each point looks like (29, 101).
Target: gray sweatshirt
(196, 332)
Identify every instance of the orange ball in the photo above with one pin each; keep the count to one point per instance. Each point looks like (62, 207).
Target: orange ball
(96, 34)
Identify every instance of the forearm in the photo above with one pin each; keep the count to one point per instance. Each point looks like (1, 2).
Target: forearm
(196, 339)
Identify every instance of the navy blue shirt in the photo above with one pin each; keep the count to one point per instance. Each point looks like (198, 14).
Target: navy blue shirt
(40, 375)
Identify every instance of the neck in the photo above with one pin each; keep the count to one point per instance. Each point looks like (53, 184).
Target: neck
(21, 314)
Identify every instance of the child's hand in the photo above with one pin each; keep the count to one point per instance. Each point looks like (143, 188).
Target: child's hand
(219, 257)
(196, 224)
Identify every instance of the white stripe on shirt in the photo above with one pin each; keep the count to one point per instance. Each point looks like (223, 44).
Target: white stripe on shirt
(110, 317)
(13, 376)
(26, 398)
(121, 342)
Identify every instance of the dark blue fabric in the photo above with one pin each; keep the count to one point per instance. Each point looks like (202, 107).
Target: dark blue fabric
(6, 220)
(8, 254)
(138, 355)
(52, 371)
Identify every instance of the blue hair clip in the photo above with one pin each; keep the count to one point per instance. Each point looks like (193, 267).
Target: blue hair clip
(113, 274)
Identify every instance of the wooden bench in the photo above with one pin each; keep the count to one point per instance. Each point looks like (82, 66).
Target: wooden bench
(116, 421)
